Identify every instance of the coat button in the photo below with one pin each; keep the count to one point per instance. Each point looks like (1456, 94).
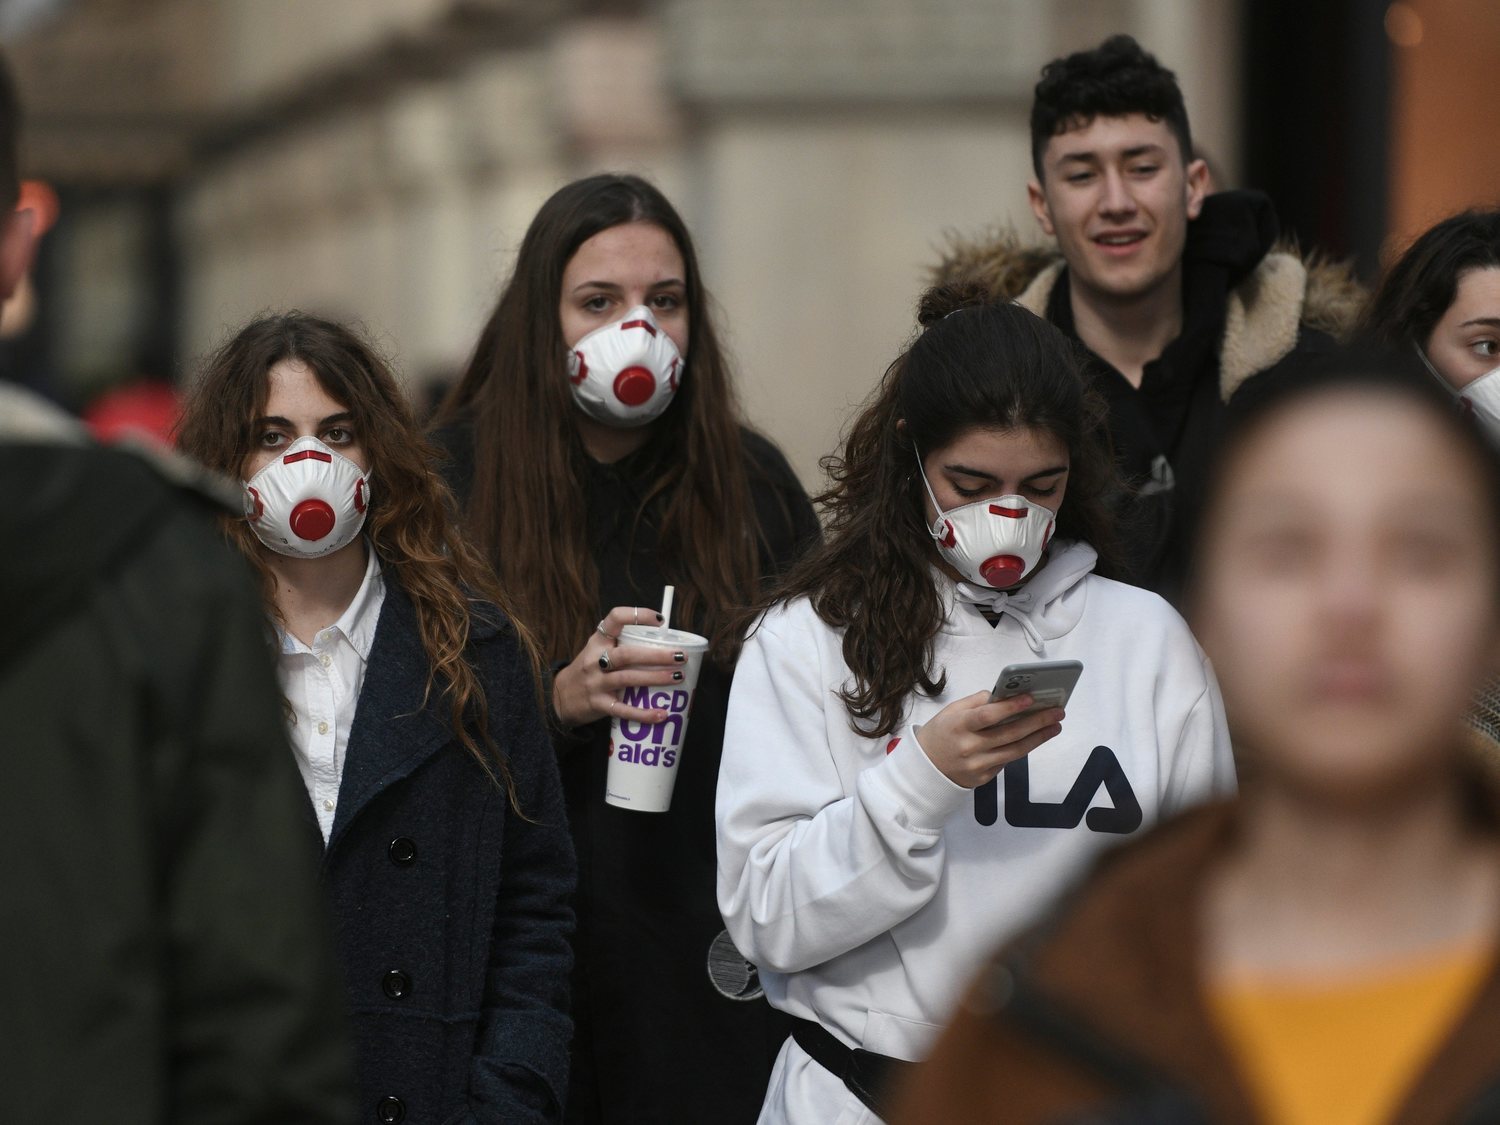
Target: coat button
(396, 984)
(388, 1111)
(403, 850)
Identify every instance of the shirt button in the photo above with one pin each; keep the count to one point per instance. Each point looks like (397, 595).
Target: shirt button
(322, 728)
(325, 660)
(328, 805)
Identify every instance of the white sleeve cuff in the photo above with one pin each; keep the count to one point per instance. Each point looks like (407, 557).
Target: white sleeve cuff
(925, 796)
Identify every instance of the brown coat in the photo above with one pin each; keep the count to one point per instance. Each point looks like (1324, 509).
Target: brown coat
(1097, 1014)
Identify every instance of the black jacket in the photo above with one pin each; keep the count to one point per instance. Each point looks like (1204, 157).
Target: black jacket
(453, 913)
(1250, 309)
(658, 1040)
(167, 954)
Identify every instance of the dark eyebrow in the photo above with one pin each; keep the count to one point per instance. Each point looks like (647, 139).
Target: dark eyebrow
(286, 423)
(1488, 321)
(964, 470)
(613, 288)
(1090, 157)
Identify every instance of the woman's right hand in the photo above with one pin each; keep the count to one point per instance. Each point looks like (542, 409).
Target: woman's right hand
(586, 691)
(971, 740)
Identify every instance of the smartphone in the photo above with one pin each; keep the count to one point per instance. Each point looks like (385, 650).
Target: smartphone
(1048, 682)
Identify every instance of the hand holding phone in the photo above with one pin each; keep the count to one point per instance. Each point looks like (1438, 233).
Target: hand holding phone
(1050, 683)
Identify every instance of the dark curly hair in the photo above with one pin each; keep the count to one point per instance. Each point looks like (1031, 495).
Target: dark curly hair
(1116, 78)
(1418, 289)
(990, 366)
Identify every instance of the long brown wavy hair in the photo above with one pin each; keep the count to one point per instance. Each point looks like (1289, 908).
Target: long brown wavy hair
(409, 526)
(529, 457)
(991, 366)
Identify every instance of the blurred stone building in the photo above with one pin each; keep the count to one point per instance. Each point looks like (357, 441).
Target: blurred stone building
(380, 159)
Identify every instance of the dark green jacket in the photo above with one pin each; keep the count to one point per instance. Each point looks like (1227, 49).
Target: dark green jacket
(166, 957)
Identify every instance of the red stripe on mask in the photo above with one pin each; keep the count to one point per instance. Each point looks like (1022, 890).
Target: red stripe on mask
(304, 454)
(646, 324)
(1013, 513)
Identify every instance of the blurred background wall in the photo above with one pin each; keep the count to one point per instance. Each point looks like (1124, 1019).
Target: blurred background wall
(380, 159)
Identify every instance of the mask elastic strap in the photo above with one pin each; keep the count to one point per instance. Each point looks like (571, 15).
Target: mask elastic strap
(936, 507)
(1433, 371)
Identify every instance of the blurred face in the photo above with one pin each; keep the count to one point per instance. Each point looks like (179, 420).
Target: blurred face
(1465, 343)
(981, 464)
(298, 406)
(1348, 595)
(1118, 196)
(616, 270)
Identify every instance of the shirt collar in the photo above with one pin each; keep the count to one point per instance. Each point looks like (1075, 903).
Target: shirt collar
(358, 621)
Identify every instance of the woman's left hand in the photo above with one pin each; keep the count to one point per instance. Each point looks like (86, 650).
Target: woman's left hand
(589, 688)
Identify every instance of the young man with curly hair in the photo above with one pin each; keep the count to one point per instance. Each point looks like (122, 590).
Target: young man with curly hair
(1181, 295)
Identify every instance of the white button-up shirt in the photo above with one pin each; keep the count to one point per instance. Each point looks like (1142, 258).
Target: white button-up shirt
(321, 683)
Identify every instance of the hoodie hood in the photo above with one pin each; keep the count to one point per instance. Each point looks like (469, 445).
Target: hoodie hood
(1047, 605)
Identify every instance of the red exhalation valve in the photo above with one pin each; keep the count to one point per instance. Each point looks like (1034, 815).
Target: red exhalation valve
(1001, 571)
(634, 386)
(311, 520)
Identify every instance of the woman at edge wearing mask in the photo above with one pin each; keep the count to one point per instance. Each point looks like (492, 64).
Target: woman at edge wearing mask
(1442, 300)
(598, 449)
(416, 720)
(870, 853)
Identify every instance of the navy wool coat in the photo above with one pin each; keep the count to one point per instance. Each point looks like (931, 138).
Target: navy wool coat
(453, 914)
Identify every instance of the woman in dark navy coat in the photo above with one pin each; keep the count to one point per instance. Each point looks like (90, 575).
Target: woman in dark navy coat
(415, 716)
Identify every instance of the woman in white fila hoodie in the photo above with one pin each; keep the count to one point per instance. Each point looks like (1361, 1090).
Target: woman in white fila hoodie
(881, 823)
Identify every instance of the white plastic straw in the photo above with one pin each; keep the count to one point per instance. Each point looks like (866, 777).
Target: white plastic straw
(666, 608)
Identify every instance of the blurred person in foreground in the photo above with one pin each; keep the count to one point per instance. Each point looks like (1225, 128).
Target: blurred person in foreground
(159, 914)
(1181, 293)
(1322, 951)
(1440, 301)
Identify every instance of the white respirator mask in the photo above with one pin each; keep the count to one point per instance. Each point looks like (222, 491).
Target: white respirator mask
(308, 502)
(1479, 399)
(995, 542)
(625, 373)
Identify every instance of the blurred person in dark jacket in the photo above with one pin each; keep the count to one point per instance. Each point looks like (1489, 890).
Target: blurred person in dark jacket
(1180, 295)
(1323, 950)
(168, 958)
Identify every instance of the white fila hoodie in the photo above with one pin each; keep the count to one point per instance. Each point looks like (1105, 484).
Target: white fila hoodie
(867, 886)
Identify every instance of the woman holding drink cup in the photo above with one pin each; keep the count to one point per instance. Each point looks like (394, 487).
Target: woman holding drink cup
(597, 448)
(413, 707)
(870, 852)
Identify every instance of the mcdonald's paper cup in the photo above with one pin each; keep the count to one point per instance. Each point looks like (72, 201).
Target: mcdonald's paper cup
(643, 757)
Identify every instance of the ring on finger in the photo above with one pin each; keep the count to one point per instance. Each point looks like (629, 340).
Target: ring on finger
(604, 661)
(599, 628)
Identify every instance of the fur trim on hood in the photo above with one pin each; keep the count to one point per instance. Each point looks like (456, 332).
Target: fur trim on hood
(1283, 293)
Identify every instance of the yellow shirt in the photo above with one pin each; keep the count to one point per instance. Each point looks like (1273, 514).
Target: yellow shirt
(1345, 1052)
